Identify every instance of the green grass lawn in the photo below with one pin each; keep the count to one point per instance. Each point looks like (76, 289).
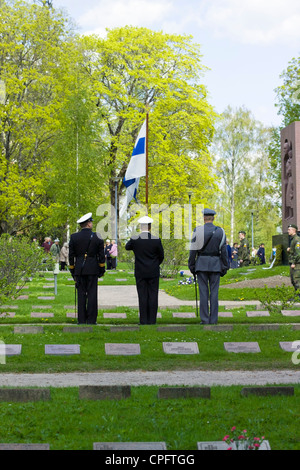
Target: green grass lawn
(69, 423)
(66, 422)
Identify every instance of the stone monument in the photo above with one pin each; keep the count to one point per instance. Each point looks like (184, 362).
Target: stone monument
(290, 178)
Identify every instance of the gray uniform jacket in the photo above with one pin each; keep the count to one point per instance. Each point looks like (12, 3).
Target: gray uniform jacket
(204, 251)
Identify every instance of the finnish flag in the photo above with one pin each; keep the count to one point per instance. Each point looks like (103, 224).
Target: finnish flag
(136, 168)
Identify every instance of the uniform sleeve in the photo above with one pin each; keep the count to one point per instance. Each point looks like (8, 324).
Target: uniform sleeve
(101, 254)
(71, 254)
(161, 253)
(129, 245)
(295, 255)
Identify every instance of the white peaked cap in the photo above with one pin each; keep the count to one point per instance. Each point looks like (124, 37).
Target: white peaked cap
(145, 220)
(84, 218)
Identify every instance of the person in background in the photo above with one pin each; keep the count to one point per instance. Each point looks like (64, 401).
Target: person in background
(243, 251)
(294, 256)
(55, 250)
(107, 254)
(234, 256)
(261, 253)
(64, 256)
(47, 244)
(113, 254)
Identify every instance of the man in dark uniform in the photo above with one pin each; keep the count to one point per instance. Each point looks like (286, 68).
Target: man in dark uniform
(87, 263)
(294, 256)
(207, 246)
(244, 250)
(149, 254)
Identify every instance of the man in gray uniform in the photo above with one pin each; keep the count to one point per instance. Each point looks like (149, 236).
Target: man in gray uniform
(208, 246)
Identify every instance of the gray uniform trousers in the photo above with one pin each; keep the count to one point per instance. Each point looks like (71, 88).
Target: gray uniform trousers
(208, 283)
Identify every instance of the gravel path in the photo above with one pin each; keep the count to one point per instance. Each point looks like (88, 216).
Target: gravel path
(140, 377)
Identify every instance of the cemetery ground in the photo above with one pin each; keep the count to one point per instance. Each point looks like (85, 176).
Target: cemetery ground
(39, 319)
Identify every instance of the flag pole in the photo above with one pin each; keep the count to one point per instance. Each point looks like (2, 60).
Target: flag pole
(147, 124)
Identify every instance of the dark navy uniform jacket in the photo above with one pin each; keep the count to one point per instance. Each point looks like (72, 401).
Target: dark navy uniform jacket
(149, 254)
(204, 250)
(77, 248)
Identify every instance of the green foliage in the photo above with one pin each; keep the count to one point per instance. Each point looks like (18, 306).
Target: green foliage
(277, 298)
(19, 259)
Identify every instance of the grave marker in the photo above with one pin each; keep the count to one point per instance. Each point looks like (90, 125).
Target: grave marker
(41, 314)
(183, 392)
(24, 394)
(62, 349)
(257, 313)
(265, 391)
(7, 314)
(180, 348)
(289, 346)
(129, 446)
(290, 313)
(124, 328)
(78, 329)
(184, 315)
(104, 392)
(46, 297)
(245, 347)
(122, 349)
(114, 315)
(20, 330)
(10, 349)
(24, 446)
(212, 445)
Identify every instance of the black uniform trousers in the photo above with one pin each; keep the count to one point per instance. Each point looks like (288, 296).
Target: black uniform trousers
(87, 298)
(209, 296)
(147, 290)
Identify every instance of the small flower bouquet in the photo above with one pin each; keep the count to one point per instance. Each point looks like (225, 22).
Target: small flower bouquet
(240, 440)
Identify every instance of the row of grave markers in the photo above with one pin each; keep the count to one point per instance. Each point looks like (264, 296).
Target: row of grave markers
(132, 446)
(131, 349)
(117, 315)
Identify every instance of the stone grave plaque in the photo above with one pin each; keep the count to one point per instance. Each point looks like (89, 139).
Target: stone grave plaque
(120, 280)
(104, 392)
(212, 445)
(41, 307)
(41, 314)
(245, 347)
(24, 446)
(7, 314)
(218, 327)
(129, 446)
(263, 327)
(20, 330)
(171, 328)
(265, 391)
(24, 394)
(290, 346)
(184, 315)
(180, 348)
(183, 392)
(257, 313)
(23, 297)
(49, 286)
(78, 329)
(46, 297)
(114, 315)
(62, 349)
(124, 328)
(71, 315)
(8, 307)
(122, 349)
(69, 307)
(10, 349)
(290, 313)
(225, 314)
